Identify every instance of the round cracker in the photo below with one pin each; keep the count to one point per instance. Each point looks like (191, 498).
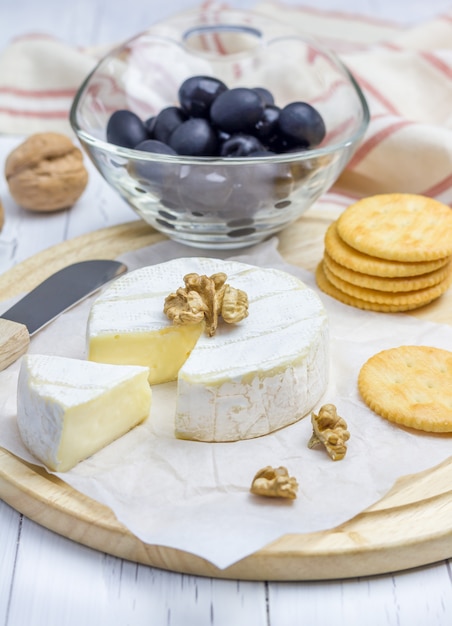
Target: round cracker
(411, 386)
(359, 262)
(399, 283)
(328, 288)
(398, 226)
(413, 299)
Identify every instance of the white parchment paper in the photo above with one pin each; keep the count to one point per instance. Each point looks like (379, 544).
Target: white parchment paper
(195, 496)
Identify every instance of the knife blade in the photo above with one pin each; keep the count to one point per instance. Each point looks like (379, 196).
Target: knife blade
(56, 294)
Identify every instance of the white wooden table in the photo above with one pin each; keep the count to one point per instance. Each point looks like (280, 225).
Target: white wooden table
(48, 580)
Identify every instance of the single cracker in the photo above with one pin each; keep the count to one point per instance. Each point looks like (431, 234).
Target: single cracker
(383, 283)
(359, 262)
(411, 386)
(417, 298)
(328, 288)
(399, 227)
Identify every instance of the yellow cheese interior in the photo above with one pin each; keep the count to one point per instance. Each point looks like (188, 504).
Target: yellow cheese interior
(163, 351)
(92, 425)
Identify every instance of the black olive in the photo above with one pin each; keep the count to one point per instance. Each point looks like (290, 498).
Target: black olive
(237, 110)
(152, 173)
(195, 137)
(197, 93)
(126, 129)
(240, 145)
(166, 122)
(301, 124)
(267, 126)
(265, 94)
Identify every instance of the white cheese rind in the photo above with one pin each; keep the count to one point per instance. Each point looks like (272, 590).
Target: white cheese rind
(248, 380)
(68, 409)
(256, 404)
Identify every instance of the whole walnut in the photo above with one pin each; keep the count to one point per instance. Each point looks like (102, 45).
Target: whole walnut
(46, 172)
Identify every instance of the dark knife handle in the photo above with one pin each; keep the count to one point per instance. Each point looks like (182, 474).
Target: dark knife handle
(14, 342)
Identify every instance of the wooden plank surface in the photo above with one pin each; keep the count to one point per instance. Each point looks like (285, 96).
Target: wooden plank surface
(409, 527)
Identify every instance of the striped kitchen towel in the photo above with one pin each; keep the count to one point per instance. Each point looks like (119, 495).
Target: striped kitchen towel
(405, 74)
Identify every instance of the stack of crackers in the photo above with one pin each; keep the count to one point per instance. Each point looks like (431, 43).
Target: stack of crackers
(389, 253)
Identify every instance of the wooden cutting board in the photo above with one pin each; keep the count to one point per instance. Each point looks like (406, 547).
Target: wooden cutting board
(409, 527)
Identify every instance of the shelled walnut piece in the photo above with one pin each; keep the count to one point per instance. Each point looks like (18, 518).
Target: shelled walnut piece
(206, 298)
(330, 430)
(274, 483)
(46, 172)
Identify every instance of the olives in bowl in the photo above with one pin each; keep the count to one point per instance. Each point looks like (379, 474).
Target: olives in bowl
(212, 120)
(223, 144)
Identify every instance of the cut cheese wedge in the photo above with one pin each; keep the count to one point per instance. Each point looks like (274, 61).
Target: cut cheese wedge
(250, 378)
(68, 409)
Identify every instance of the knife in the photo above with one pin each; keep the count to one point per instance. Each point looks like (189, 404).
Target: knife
(45, 302)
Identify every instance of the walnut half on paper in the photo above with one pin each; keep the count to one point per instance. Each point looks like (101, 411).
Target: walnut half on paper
(330, 430)
(274, 483)
(206, 298)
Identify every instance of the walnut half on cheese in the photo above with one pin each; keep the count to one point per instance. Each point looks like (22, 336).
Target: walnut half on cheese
(68, 409)
(249, 379)
(206, 298)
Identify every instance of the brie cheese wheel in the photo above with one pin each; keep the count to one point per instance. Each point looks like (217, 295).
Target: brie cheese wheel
(250, 378)
(68, 409)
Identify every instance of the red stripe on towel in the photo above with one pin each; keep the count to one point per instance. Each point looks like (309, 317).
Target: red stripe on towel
(38, 93)
(341, 15)
(37, 114)
(438, 63)
(439, 188)
(375, 141)
(365, 85)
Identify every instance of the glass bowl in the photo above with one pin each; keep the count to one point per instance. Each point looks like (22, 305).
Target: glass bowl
(224, 202)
